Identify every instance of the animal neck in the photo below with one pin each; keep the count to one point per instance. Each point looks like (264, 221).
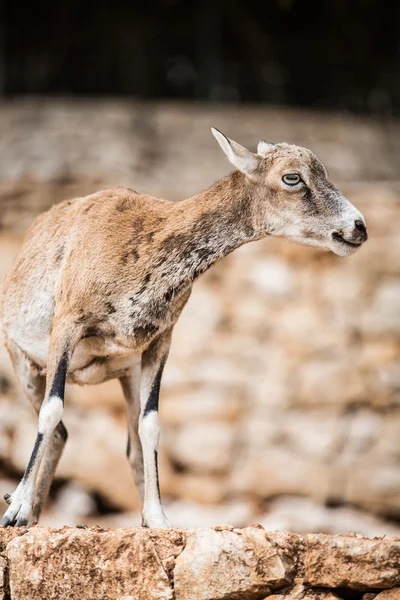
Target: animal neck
(209, 226)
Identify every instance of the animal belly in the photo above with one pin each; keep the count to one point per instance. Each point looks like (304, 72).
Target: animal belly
(94, 361)
(30, 328)
(34, 345)
(100, 369)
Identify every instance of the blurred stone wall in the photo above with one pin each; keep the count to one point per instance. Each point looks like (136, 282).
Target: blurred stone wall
(281, 398)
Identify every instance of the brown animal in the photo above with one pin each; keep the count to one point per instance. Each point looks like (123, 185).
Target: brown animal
(101, 281)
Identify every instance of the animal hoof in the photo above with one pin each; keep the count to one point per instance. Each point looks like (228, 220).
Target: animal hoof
(156, 522)
(19, 510)
(16, 517)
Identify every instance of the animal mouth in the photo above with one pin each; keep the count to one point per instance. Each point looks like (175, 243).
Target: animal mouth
(339, 238)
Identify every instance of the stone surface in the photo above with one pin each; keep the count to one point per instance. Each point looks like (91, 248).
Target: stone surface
(222, 563)
(86, 564)
(230, 564)
(3, 579)
(301, 592)
(352, 562)
(393, 594)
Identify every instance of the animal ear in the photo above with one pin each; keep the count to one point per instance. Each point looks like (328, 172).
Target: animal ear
(240, 157)
(264, 147)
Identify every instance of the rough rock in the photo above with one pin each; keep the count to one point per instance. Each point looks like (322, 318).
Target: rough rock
(393, 594)
(3, 578)
(222, 563)
(88, 564)
(301, 592)
(229, 564)
(352, 562)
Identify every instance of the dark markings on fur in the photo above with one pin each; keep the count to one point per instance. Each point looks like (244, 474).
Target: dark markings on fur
(58, 384)
(152, 401)
(135, 254)
(206, 241)
(173, 242)
(203, 253)
(92, 332)
(169, 294)
(128, 446)
(144, 332)
(32, 459)
(311, 204)
(142, 288)
(332, 199)
(110, 308)
(150, 236)
(158, 262)
(317, 170)
(59, 256)
(158, 482)
(61, 431)
(97, 332)
(88, 207)
(125, 258)
(124, 204)
(199, 270)
(82, 318)
(311, 234)
(137, 227)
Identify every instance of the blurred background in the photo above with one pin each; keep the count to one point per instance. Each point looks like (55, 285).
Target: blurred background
(280, 402)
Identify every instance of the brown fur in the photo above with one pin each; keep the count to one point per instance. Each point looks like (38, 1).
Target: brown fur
(103, 279)
(110, 269)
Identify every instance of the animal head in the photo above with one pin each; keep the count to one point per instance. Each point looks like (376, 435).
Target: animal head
(293, 197)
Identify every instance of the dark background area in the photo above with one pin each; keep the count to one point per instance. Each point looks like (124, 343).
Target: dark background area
(321, 54)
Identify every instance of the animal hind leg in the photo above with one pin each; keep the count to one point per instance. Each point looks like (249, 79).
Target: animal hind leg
(34, 385)
(131, 387)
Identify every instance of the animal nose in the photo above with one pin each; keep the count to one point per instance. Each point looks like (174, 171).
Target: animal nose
(360, 231)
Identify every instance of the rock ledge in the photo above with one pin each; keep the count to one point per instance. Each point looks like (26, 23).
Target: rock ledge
(222, 563)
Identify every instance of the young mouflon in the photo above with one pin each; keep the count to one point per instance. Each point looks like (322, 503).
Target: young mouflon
(101, 281)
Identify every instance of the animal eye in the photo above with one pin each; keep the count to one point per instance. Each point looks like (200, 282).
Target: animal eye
(291, 179)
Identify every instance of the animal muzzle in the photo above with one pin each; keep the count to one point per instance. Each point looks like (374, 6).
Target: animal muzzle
(357, 236)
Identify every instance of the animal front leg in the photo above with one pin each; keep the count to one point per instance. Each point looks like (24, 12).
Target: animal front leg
(153, 361)
(21, 501)
(34, 386)
(47, 469)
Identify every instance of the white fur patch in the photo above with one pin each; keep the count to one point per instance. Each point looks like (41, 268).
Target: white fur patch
(50, 414)
(153, 516)
(21, 502)
(149, 431)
